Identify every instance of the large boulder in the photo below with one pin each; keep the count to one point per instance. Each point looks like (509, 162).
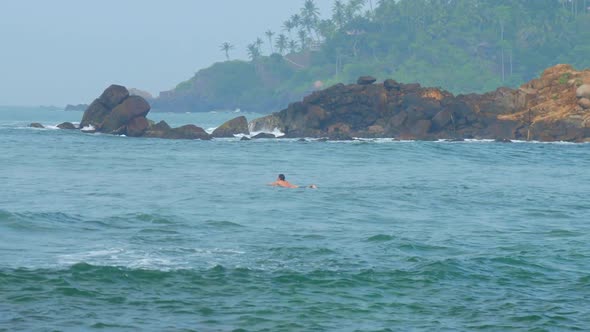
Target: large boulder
(121, 115)
(232, 127)
(583, 91)
(366, 80)
(584, 103)
(267, 123)
(95, 115)
(113, 96)
(137, 126)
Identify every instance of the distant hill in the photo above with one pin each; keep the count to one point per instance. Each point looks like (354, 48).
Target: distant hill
(466, 46)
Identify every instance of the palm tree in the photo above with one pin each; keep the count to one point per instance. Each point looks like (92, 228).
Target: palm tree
(269, 34)
(253, 51)
(226, 47)
(352, 8)
(338, 13)
(310, 15)
(296, 21)
(282, 43)
(292, 46)
(289, 26)
(302, 38)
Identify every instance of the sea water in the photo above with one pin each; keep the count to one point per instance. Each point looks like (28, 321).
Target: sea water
(136, 234)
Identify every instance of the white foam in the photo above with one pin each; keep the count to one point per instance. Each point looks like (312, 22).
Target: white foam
(88, 128)
(276, 131)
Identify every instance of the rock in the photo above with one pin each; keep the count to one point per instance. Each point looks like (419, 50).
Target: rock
(189, 132)
(302, 140)
(137, 126)
(113, 96)
(442, 119)
(392, 85)
(503, 140)
(232, 127)
(67, 126)
(159, 130)
(366, 80)
(95, 115)
(584, 103)
(245, 139)
(264, 135)
(267, 123)
(36, 125)
(121, 115)
(583, 91)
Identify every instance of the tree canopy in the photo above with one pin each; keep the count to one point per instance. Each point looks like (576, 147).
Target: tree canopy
(463, 46)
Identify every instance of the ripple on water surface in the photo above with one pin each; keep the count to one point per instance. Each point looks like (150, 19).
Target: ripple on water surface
(114, 233)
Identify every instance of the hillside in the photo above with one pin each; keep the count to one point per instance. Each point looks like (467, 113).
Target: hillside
(465, 46)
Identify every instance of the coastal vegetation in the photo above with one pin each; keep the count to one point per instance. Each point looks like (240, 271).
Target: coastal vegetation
(464, 46)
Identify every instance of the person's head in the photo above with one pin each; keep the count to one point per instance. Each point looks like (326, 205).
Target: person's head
(282, 177)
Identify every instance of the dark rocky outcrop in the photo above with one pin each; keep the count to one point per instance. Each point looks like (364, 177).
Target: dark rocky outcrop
(66, 126)
(119, 113)
(232, 127)
(122, 115)
(36, 125)
(116, 112)
(553, 107)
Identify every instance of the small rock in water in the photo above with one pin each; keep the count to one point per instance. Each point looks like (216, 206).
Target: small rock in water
(245, 139)
(264, 135)
(36, 125)
(302, 140)
(66, 125)
(503, 140)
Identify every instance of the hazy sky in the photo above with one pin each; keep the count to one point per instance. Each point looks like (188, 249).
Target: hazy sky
(55, 52)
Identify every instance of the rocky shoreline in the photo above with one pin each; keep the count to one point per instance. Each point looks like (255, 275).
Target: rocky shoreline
(554, 107)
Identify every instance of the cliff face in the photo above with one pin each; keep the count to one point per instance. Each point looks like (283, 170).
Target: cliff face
(551, 108)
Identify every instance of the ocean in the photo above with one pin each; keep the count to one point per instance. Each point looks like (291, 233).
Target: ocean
(135, 234)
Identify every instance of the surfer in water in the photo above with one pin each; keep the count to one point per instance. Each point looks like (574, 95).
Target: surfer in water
(283, 183)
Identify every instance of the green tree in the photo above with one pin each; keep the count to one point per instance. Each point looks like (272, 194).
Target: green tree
(226, 47)
(293, 46)
(282, 43)
(302, 39)
(269, 34)
(254, 51)
(310, 15)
